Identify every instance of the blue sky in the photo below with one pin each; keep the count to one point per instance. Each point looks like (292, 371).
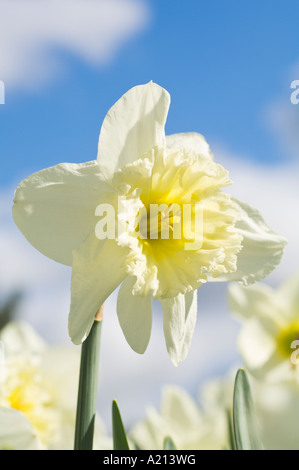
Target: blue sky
(223, 62)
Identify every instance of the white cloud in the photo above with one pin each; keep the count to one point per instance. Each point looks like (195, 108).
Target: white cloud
(135, 380)
(34, 32)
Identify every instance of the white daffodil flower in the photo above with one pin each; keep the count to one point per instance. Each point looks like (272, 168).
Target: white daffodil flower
(269, 338)
(180, 418)
(145, 184)
(38, 391)
(276, 406)
(16, 431)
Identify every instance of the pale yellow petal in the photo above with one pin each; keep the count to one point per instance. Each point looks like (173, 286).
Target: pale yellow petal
(288, 295)
(16, 431)
(262, 248)
(179, 318)
(133, 126)
(191, 141)
(55, 208)
(19, 337)
(150, 433)
(134, 315)
(98, 268)
(256, 345)
(179, 408)
(252, 301)
(60, 366)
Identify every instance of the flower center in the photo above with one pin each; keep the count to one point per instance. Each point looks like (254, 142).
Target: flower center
(182, 226)
(160, 221)
(286, 338)
(25, 390)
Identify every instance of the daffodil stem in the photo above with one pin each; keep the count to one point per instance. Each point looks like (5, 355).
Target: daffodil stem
(88, 387)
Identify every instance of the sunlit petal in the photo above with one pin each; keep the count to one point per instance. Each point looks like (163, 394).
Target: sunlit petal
(133, 126)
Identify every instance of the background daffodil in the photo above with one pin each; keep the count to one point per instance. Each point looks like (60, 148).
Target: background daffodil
(181, 418)
(38, 391)
(137, 164)
(16, 431)
(203, 423)
(269, 338)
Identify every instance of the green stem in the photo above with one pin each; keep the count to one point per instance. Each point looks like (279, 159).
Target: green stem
(88, 387)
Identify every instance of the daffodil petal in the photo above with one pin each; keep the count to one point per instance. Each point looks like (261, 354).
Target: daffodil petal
(98, 268)
(189, 141)
(290, 288)
(63, 372)
(256, 345)
(55, 208)
(288, 295)
(19, 337)
(179, 318)
(150, 433)
(134, 315)
(262, 248)
(133, 126)
(178, 408)
(258, 300)
(16, 431)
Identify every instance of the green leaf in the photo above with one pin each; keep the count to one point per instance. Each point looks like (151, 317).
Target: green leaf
(120, 441)
(169, 444)
(231, 436)
(244, 418)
